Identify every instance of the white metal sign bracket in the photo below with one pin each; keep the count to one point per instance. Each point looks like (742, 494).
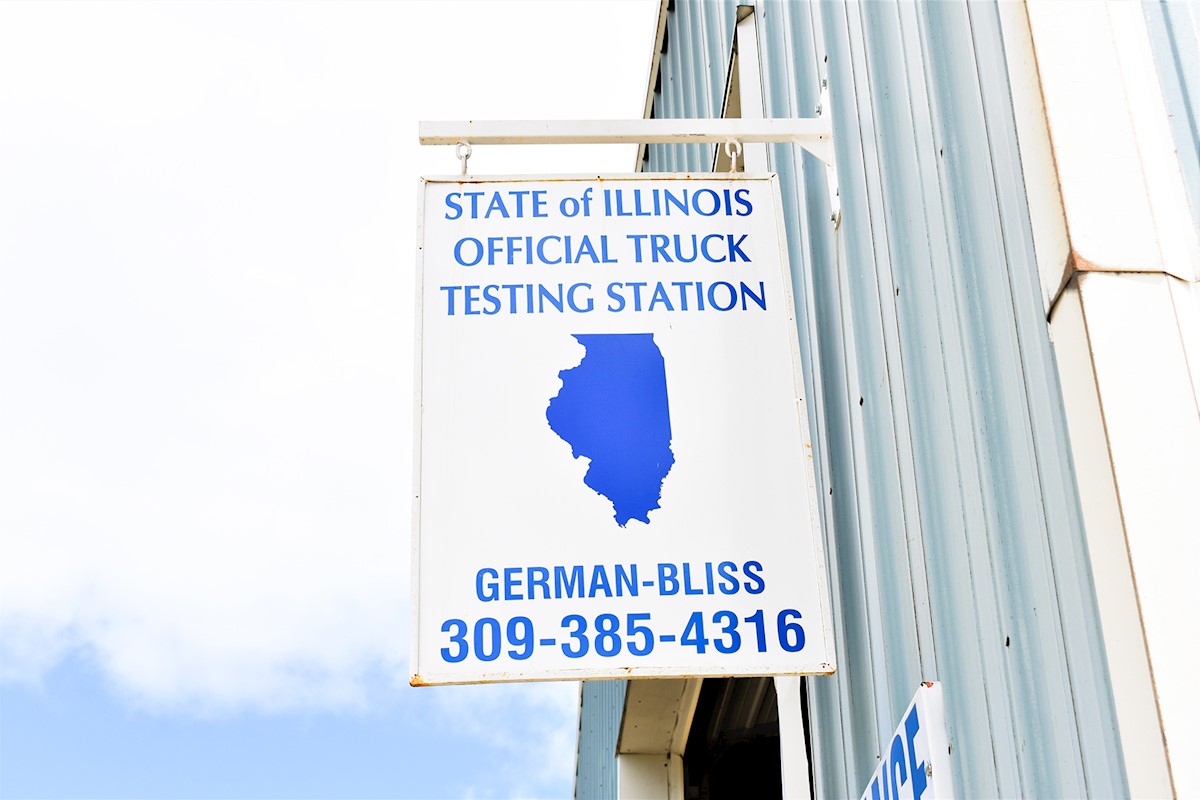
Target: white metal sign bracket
(831, 181)
(813, 134)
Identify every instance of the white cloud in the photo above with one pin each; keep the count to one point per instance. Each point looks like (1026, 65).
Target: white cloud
(206, 219)
(531, 726)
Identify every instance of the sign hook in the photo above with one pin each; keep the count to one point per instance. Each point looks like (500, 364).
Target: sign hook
(733, 149)
(463, 155)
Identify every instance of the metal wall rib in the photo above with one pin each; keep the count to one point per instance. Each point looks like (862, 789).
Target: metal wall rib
(691, 81)
(599, 723)
(954, 536)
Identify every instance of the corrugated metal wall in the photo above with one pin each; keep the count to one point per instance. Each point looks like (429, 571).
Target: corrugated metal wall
(953, 528)
(691, 78)
(600, 705)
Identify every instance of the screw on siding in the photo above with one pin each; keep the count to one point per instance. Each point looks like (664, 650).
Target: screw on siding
(928, 770)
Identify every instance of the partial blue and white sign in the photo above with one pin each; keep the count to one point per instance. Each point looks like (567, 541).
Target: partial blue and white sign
(915, 764)
(613, 471)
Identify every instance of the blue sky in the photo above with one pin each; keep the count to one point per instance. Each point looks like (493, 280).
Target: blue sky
(207, 216)
(74, 737)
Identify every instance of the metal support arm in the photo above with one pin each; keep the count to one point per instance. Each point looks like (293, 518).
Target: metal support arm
(814, 135)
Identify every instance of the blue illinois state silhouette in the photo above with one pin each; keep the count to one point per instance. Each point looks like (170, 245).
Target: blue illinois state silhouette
(612, 409)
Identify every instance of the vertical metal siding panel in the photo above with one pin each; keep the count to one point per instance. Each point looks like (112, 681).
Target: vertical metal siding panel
(883, 405)
(708, 103)
(908, 244)
(685, 40)
(916, 234)
(957, 529)
(700, 158)
(793, 93)
(683, 83)
(601, 703)
(902, 209)
(670, 92)
(699, 155)
(1031, 695)
(671, 78)
(948, 441)
(1036, 697)
(1071, 638)
(718, 43)
(713, 47)
(699, 41)
(985, 717)
(866, 368)
(954, 542)
(937, 388)
(791, 87)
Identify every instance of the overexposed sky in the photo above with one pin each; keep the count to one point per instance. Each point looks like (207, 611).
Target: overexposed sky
(207, 218)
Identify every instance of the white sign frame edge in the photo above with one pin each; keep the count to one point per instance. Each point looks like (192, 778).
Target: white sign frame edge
(433, 679)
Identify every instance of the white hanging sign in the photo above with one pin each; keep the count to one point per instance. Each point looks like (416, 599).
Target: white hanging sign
(915, 764)
(613, 470)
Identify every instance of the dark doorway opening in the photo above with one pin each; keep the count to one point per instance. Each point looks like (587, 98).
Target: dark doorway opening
(733, 746)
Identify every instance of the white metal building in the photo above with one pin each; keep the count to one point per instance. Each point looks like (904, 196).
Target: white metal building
(998, 295)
